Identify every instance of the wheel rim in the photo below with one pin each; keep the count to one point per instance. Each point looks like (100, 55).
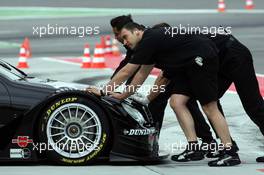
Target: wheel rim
(74, 130)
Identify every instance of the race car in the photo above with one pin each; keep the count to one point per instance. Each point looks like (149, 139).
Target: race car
(62, 123)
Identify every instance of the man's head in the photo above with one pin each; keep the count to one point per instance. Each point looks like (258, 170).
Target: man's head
(118, 23)
(131, 34)
(161, 25)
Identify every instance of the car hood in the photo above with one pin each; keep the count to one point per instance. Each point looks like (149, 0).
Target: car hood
(57, 84)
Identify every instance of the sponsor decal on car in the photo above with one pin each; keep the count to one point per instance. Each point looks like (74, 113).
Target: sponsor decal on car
(138, 132)
(22, 141)
(59, 103)
(20, 153)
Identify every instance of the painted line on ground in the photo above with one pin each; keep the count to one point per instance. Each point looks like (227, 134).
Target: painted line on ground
(59, 61)
(9, 13)
(4, 44)
(113, 64)
(67, 61)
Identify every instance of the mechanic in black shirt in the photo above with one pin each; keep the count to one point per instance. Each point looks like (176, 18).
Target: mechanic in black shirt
(152, 47)
(236, 65)
(158, 105)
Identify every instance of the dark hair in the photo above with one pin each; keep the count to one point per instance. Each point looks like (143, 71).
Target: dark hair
(132, 25)
(160, 25)
(120, 21)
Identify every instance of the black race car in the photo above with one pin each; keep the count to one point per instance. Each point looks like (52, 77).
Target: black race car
(59, 122)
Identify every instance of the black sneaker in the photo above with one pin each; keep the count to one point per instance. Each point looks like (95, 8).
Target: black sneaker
(260, 159)
(188, 155)
(210, 150)
(213, 154)
(225, 160)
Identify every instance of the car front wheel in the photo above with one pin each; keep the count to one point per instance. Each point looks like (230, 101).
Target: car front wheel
(76, 131)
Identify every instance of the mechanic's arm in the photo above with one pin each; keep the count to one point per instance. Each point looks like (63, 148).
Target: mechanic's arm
(159, 86)
(120, 77)
(137, 81)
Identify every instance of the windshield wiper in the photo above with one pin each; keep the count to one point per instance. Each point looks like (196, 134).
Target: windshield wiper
(20, 71)
(5, 66)
(13, 70)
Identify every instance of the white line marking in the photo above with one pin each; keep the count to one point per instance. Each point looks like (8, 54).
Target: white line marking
(251, 36)
(151, 76)
(260, 75)
(110, 12)
(60, 61)
(9, 32)
(228, 91)
(135, 10)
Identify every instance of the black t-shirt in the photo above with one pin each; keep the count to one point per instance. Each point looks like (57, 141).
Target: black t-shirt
(221, 42)
(167, 52)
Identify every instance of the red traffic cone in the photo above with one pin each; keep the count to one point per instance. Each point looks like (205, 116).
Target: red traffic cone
(221, 5)
(86, 61)
(98, 59)
(108, 47)
(27, 47)
(22, 61)
(103, 41)
(115, 48)
(249, 4)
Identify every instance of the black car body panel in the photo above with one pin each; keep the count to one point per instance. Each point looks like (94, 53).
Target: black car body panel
(23, 100)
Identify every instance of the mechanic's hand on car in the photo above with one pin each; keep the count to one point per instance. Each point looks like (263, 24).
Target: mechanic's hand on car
(118, 96)
(140, 98)
(93, 90)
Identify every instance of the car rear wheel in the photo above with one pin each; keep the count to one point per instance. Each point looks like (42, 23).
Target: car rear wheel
(76, 131)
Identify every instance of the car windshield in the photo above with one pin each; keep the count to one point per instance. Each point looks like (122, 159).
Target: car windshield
(10, 71)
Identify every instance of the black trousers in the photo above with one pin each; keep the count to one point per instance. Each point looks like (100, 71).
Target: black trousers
(238, 68)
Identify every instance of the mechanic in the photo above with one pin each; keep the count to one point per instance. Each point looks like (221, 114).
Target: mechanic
(158, 105)
(153, 47)
(236, 65)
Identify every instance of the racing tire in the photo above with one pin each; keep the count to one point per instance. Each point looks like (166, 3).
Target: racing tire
(73, 131)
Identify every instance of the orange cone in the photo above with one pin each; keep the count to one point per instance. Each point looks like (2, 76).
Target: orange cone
(22, 61)
(115, 48)
(98, 59)
(103, 42)
(86, 61)
(249, 4)
(108, 47)
(26, 44)
(221, 5)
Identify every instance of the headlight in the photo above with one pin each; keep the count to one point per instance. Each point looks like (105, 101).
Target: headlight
(134, 113)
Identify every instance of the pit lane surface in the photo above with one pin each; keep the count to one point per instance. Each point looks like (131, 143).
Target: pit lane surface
(247, 27)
